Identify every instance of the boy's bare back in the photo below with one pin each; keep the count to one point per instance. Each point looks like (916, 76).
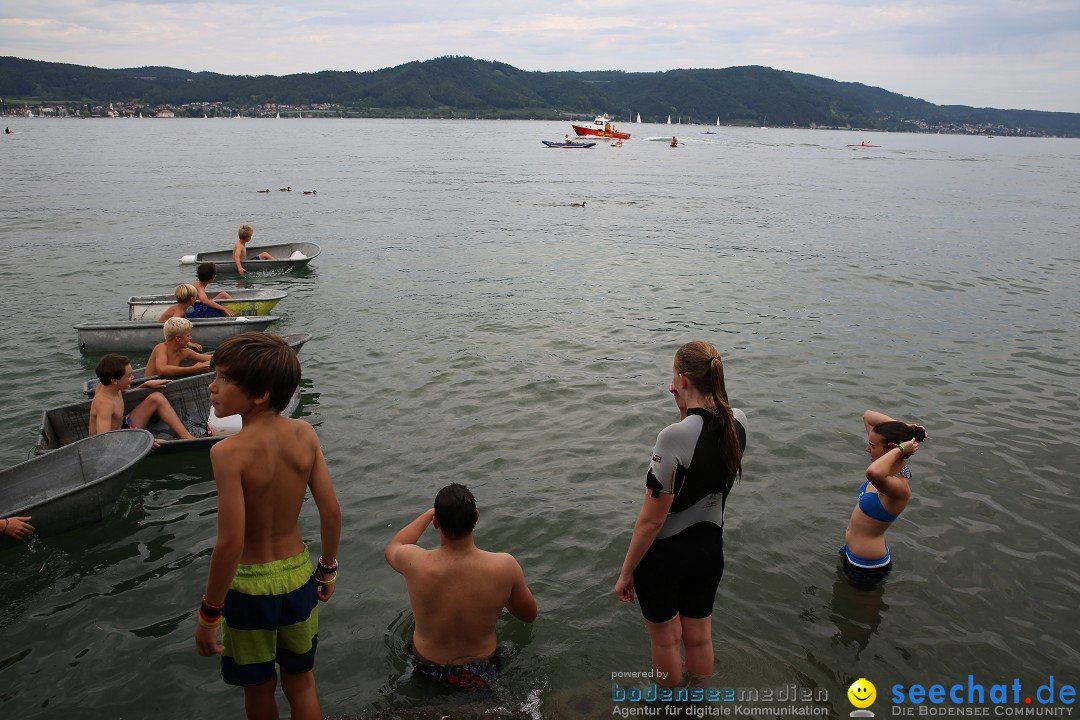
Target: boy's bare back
(263, 473)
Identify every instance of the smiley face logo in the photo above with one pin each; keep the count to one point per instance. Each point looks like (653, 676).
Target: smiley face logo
(862, 693)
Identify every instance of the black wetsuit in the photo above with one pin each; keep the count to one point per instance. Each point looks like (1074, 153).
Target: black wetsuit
(681, 570)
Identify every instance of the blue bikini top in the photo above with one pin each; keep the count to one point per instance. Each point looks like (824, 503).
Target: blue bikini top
(870, 502)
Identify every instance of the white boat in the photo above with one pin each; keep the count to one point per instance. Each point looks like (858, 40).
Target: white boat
(638, 121)
(601, 120)
(668, 119)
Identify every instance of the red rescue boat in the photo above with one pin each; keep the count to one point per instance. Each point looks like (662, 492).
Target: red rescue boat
(583, 131)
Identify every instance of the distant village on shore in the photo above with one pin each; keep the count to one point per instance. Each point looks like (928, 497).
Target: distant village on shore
(329, 110)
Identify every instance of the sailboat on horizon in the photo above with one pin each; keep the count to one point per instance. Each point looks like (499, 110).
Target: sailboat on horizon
(668, 119)
(638, 121)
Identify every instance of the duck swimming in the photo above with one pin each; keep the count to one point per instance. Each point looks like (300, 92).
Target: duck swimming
(580, 204)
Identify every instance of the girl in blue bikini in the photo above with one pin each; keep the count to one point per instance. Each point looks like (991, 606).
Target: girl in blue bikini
(882, 497)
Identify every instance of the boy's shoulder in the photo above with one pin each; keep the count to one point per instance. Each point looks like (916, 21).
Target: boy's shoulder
(275, 429)
(104, 394)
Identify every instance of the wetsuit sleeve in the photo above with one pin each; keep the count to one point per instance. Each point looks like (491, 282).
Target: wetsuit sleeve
(740, 416)
(671, 454)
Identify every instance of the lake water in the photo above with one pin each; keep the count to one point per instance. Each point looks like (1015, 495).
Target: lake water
(469, 325)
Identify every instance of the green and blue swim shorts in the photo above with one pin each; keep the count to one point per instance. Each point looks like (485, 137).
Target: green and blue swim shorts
(271, 616)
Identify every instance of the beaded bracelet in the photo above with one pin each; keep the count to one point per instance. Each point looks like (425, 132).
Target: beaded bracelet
(327, 569)
(210, 612)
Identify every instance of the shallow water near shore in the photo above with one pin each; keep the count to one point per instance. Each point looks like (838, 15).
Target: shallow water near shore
(469, 325)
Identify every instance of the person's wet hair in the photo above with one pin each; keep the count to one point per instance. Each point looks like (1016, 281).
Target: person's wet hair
(896, 432)
(185, 292)
(700, 363)
(260, 363)
(455, 509)
(206, 272)
(111, 367)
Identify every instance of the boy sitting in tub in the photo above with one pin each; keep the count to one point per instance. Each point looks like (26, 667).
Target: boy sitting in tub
(168, 357)
(107, 407)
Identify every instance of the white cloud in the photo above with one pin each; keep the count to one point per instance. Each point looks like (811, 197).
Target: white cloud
(999, 53)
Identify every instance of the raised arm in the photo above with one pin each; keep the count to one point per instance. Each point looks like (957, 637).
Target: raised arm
(408, 535)
(871, 418)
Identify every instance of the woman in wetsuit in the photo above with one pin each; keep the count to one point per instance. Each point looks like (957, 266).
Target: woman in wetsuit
(676, 554)
(882, 497)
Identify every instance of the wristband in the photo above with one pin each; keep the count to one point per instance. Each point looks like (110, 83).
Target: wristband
(331, 581)
(903, 453)
(209, 621)
(210, 625)
(327, 569)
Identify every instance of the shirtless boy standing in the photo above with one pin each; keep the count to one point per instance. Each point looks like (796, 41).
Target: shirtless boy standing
(239, 251)
(168, 356)
(261, 581)
(107, 407)
(457, 592)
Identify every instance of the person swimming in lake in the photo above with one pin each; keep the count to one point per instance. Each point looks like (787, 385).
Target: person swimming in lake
(882, 497)
(676, 554)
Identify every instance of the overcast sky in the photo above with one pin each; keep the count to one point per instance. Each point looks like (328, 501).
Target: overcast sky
(984, 53)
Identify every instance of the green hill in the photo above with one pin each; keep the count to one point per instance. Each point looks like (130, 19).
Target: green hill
(462, 86)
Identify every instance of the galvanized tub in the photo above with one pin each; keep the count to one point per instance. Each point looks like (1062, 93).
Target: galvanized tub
(76, 485)
(295, 341)
(189, 397)
(144, 335)
(282, 262)
(243, 302)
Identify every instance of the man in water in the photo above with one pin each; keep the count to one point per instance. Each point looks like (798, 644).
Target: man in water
(457, 592)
